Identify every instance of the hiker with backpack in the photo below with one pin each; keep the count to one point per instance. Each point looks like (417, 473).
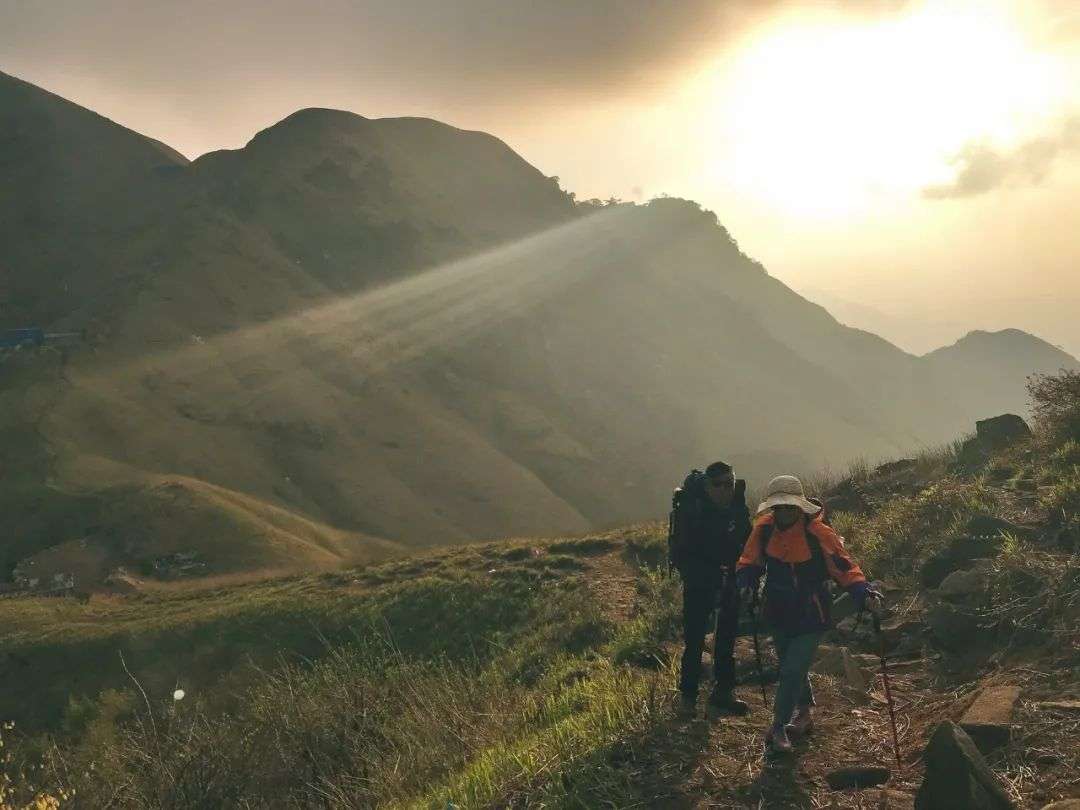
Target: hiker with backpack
(798, 552)
(708, 529)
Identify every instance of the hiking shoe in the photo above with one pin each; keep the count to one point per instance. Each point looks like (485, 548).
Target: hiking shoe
(802, 722)
(687, 708)
(727, 703)
(776, 740)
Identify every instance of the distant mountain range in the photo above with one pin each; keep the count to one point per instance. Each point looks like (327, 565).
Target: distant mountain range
(356, 335)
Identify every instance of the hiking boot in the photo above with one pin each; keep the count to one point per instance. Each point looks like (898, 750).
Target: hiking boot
(802, 722)
(687, 708)
(725, 702)
(776, 740)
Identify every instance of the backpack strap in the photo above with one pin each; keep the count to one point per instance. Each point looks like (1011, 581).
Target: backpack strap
(816, 554)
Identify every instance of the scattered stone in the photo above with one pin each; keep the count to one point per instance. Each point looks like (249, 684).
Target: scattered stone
(989, 527)
(953, 627)
(895, 633)
(1064, 804)
(1001, 431)
(989, 719)
(857, 776)
(957, 775)
(961, 586)
(1061, 705)
(840, 663)
(890, 467)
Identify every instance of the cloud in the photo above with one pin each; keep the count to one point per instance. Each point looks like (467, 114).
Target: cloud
(981, 168)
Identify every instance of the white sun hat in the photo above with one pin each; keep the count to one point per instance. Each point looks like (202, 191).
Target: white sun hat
(787, 490)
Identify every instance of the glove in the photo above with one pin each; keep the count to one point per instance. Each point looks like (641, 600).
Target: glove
(746, 581)
(866, 598)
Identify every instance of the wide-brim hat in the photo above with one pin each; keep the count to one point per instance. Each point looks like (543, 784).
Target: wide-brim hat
(787, 490)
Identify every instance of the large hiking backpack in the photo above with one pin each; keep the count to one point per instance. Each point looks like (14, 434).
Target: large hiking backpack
(684, 500)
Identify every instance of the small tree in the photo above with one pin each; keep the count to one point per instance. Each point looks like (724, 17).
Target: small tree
(1055, 404)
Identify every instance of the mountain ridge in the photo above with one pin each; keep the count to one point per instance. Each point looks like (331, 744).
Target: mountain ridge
(403, 331)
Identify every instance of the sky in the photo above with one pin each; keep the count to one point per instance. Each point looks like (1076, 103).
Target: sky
(914, 165)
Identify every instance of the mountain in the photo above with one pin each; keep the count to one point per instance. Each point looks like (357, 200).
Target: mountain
(353, 336)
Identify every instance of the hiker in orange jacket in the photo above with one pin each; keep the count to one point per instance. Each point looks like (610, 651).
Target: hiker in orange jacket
(798, 553)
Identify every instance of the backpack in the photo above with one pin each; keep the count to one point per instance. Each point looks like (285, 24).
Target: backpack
(817, 557)
(784, 606)
(683, 500)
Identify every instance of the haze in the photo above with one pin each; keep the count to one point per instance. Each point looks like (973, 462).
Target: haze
(911, 165)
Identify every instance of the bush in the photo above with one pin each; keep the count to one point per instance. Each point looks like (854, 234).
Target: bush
(1055, 403)
(906, 530)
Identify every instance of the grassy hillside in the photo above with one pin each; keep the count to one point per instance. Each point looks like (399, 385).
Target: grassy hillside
(540, 673)
(356, 335)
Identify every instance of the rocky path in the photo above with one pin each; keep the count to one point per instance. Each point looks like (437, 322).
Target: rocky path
(1029, 740)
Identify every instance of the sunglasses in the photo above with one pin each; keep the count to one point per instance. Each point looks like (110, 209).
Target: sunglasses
(727, 483)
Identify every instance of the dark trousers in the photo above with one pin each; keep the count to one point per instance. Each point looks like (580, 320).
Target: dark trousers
(699, 599)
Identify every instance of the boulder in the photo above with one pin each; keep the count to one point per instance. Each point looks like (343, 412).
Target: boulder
(957, 775)
(988, 721)
(966, 585)
(840, 663)
(1001, 431)
(890, 467)
(1064, 804)
(900, 632)
(857, 776)
(984, 538)
(988, 527)
(953, 627)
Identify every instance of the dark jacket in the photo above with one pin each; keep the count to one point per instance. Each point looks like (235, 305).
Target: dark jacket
(707, 539)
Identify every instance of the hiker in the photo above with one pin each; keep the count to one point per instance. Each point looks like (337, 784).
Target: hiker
(798, 552)
(709, 526)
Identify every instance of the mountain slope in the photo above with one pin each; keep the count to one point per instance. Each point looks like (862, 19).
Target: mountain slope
(402, 331)
(77, 190)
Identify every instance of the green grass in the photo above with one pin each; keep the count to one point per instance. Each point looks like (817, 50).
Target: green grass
(490, 672)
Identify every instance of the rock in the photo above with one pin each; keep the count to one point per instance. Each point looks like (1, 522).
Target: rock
(895, 633)
(1061, 705)
(857, 776)
(953, 627)
(984, 538)
(989, 527)
(973, 454)
(890, 467)
(840, 663)
(963, 585)
(957, 776)
(988, 721)
(1064, 804)
(936, 567)
(1001, 431)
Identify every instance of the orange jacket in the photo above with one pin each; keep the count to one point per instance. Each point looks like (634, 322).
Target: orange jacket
(790, 546)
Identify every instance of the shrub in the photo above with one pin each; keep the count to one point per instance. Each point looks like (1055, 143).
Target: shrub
(906, 530)
(1055, 403)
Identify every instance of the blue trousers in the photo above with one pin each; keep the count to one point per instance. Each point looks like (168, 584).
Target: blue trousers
(796, 654)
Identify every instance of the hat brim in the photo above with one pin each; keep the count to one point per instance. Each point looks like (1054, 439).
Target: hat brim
(782, 499)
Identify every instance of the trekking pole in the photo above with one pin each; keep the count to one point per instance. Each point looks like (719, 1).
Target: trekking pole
(757, 646)
(888, 691)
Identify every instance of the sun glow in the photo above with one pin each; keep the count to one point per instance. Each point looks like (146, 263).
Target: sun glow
(820, 115)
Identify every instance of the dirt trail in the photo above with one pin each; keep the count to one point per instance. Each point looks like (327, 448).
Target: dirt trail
(720, 762)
